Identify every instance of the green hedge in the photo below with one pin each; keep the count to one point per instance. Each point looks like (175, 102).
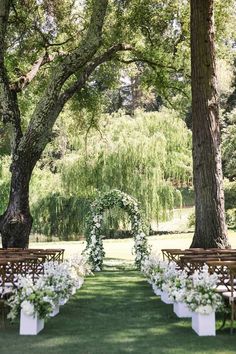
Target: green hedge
(230, 195)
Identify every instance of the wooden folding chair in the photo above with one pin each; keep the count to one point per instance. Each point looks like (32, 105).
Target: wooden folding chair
(226, 271)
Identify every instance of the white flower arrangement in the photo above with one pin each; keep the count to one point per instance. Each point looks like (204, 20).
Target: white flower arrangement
(57, 283)
(202, 296)
(148, 266)
(31, 298)
(197, 290)
(94, 248)
(80, 268)
(28, 308)
(59, 277)
(178, 286)
(168, 277)
(157, 271)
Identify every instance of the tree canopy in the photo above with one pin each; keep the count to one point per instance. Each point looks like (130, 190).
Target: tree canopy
(69, 56)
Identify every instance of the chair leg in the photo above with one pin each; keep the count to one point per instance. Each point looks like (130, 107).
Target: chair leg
(232, 317)
(2, 314)
(223, 322)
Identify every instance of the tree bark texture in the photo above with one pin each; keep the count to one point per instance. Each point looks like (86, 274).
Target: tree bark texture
(210, 228)
(16, 222)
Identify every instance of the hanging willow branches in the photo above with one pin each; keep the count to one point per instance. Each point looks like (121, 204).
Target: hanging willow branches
(147, 156)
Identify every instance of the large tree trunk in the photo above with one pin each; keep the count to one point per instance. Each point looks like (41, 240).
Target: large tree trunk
(16, 222)
(210, 228)
(27, 147)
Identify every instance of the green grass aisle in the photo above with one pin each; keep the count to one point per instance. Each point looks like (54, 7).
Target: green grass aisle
(116, 312)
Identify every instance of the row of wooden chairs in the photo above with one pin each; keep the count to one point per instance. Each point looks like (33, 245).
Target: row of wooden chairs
(179, 256)
(220, 261)
(15, 261)
(25, 261)
(50, 254)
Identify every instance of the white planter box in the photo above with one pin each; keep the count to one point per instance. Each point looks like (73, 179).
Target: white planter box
(55, 311)
(73, 290)
(81, 281)
(182, 310)
(63, 301)
(165, 298)
(204, 325)
(156, 290)
(30, 325)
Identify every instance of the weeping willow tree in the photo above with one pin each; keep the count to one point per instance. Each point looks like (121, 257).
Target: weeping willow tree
(147, 156)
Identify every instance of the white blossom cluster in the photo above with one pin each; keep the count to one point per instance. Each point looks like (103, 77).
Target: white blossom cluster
(58, 282)
(155, 270)
(94, 248)
(30, 297)
(197, 291)
(202, 296)
(60, 277)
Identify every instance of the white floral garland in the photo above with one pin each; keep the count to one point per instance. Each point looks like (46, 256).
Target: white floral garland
(94, 247)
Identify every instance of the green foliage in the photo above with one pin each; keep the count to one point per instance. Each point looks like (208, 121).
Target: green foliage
(230, 195)
(4, 182)
(61, 216)
(191, 220)
(229, 146)
(187, 196)
(231, 218)
(147, 156)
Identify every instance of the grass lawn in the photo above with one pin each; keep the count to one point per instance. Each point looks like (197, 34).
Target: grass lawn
(116, 312)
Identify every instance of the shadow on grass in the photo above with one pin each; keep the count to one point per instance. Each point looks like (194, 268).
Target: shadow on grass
(116, 312)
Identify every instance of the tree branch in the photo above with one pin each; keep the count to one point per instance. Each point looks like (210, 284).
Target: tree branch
(9, 105)
(89, 69)
(46, 112)
(151, 63)
(61, 43)
(24, 80)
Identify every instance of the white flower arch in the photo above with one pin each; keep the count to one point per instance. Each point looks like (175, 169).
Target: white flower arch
(108, 200)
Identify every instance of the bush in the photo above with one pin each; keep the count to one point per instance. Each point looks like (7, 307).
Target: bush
(231, 218)
(230, 195)
(191, 220)
(187, 196)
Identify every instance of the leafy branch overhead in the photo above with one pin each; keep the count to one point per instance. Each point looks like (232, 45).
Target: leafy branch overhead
(56, 52)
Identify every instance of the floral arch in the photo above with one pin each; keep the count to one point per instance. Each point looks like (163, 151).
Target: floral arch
(108, 200)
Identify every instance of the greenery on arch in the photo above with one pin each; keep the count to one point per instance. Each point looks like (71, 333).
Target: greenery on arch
(109, 200)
